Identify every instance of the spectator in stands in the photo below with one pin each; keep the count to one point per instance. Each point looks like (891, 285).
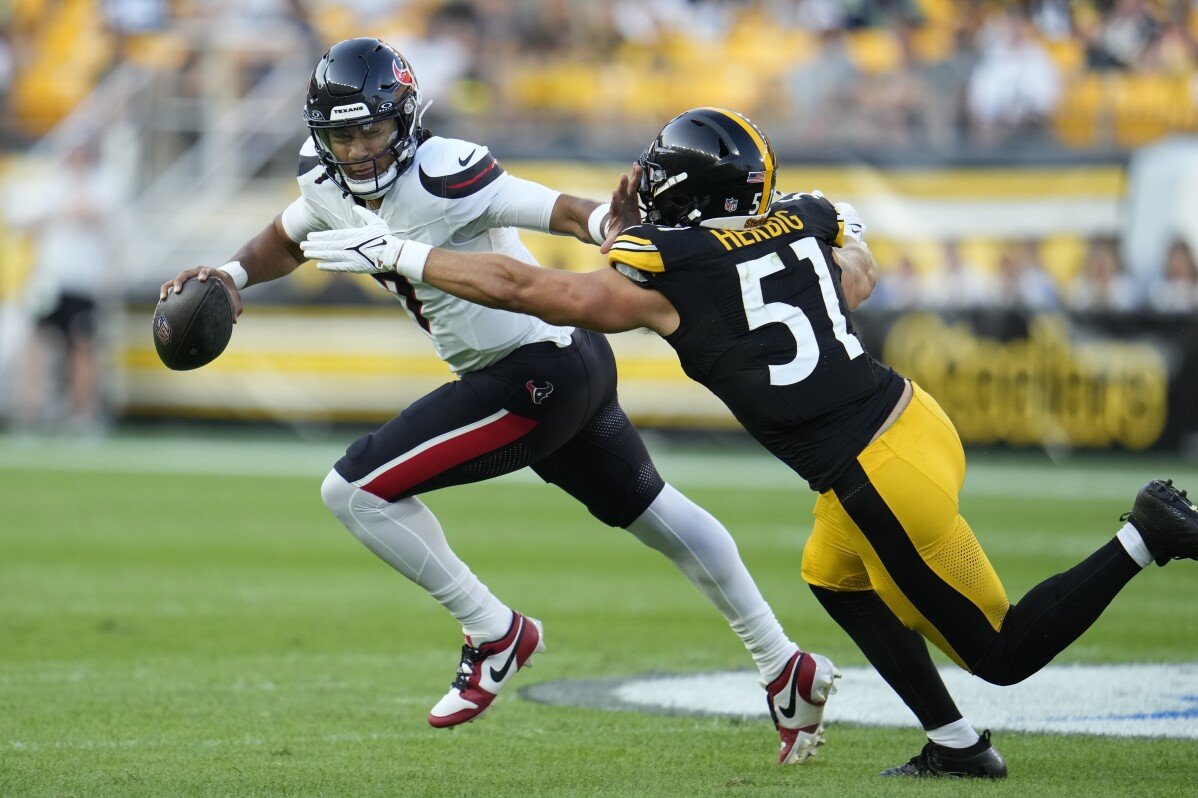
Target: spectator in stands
(820, 16)
(881, 13)
(447, 53)
(958, 285)
(7, 70)
(1051, 18)
(948, 80)
(894, 105)
(816, 88)
(1173, 52)
(1015, 85)
(1122, 37)
(899, 289)
(1103, 284)
(67, 213)
(1177, 291)
(1022, 281)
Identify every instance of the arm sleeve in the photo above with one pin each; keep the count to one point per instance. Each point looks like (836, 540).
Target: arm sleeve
(301, 218)
(519, 203)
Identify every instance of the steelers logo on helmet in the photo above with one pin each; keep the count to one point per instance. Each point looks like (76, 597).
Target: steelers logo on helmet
(363, 112)
(708, 167)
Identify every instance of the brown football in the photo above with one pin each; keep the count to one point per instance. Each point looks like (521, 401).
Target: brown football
(192, 327)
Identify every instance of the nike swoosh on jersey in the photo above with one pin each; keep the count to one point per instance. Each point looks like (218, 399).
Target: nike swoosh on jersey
(497, 675)
(789, 712)
(466, 160)
(475, 177)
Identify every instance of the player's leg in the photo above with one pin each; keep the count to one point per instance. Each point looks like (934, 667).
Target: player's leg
(929, 568)
(838, 578)
(34, 403)
(1162, 525)
(83, 373)
(371, 490)
(486, 424)
(607, 467)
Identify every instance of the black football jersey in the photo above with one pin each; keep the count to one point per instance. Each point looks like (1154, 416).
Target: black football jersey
(764, 327)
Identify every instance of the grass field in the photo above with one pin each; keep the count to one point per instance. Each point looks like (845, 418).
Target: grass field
(183, 617)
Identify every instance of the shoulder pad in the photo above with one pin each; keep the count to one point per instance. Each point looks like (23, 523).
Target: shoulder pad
(635, 247)
(308, 159)
(817, 212)
(452, 169)
(440, 156)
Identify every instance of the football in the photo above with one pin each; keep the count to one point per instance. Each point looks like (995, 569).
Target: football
(192, 327)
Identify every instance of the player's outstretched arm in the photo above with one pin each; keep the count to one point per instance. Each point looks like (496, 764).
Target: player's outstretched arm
(593, 223)
(267, 256)
(858, 271)
(571, 216)
(602, 300)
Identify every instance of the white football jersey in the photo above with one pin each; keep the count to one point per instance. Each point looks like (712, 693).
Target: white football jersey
(453, 195)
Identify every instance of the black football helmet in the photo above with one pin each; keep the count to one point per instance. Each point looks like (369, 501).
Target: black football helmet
(709, 167)
(360, 82)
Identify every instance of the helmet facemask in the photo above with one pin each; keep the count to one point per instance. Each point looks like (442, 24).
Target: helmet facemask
(399, 149)
(661, 205)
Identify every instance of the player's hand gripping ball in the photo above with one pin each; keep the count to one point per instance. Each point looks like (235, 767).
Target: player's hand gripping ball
(193, 327)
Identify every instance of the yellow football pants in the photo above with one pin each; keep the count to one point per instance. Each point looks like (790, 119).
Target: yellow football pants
(891, 524)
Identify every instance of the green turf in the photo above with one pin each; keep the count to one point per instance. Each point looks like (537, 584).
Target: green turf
(171, 624)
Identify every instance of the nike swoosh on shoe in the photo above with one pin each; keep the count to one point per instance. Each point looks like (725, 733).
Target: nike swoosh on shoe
(498, 675)
(788, 712)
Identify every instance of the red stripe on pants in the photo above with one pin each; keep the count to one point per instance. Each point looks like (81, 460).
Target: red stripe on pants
(449, 453)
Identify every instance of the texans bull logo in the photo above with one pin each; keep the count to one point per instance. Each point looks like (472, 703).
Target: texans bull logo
(402, 74)
(538, 392)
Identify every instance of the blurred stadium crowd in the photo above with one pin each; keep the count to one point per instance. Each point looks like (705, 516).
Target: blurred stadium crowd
(863, 75)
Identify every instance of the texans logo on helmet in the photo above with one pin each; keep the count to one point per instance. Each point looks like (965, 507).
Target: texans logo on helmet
(538, 392)
(403, 75)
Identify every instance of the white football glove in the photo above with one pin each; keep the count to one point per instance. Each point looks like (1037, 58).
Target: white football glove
(370, 249)
(853, 226)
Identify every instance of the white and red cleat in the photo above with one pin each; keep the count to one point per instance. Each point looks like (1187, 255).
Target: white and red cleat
(485, 670)
(796, 700)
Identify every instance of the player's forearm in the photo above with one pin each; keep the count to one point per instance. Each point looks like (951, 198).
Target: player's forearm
(572, 217)
(498, 281)
(859, 272)
(269, 255)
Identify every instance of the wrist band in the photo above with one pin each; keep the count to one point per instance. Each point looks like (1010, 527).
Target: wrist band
(598, 221)
(235, 270)
(411, 260)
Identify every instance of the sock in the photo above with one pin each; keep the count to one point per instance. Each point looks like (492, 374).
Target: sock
(898, 654)
(958, 734)
(1130, 537)
(700, 547)
(407, 536)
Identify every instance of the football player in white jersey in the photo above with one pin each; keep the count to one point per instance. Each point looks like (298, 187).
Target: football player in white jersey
(528, 393)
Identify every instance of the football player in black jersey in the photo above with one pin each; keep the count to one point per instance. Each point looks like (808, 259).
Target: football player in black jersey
(753, 289)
